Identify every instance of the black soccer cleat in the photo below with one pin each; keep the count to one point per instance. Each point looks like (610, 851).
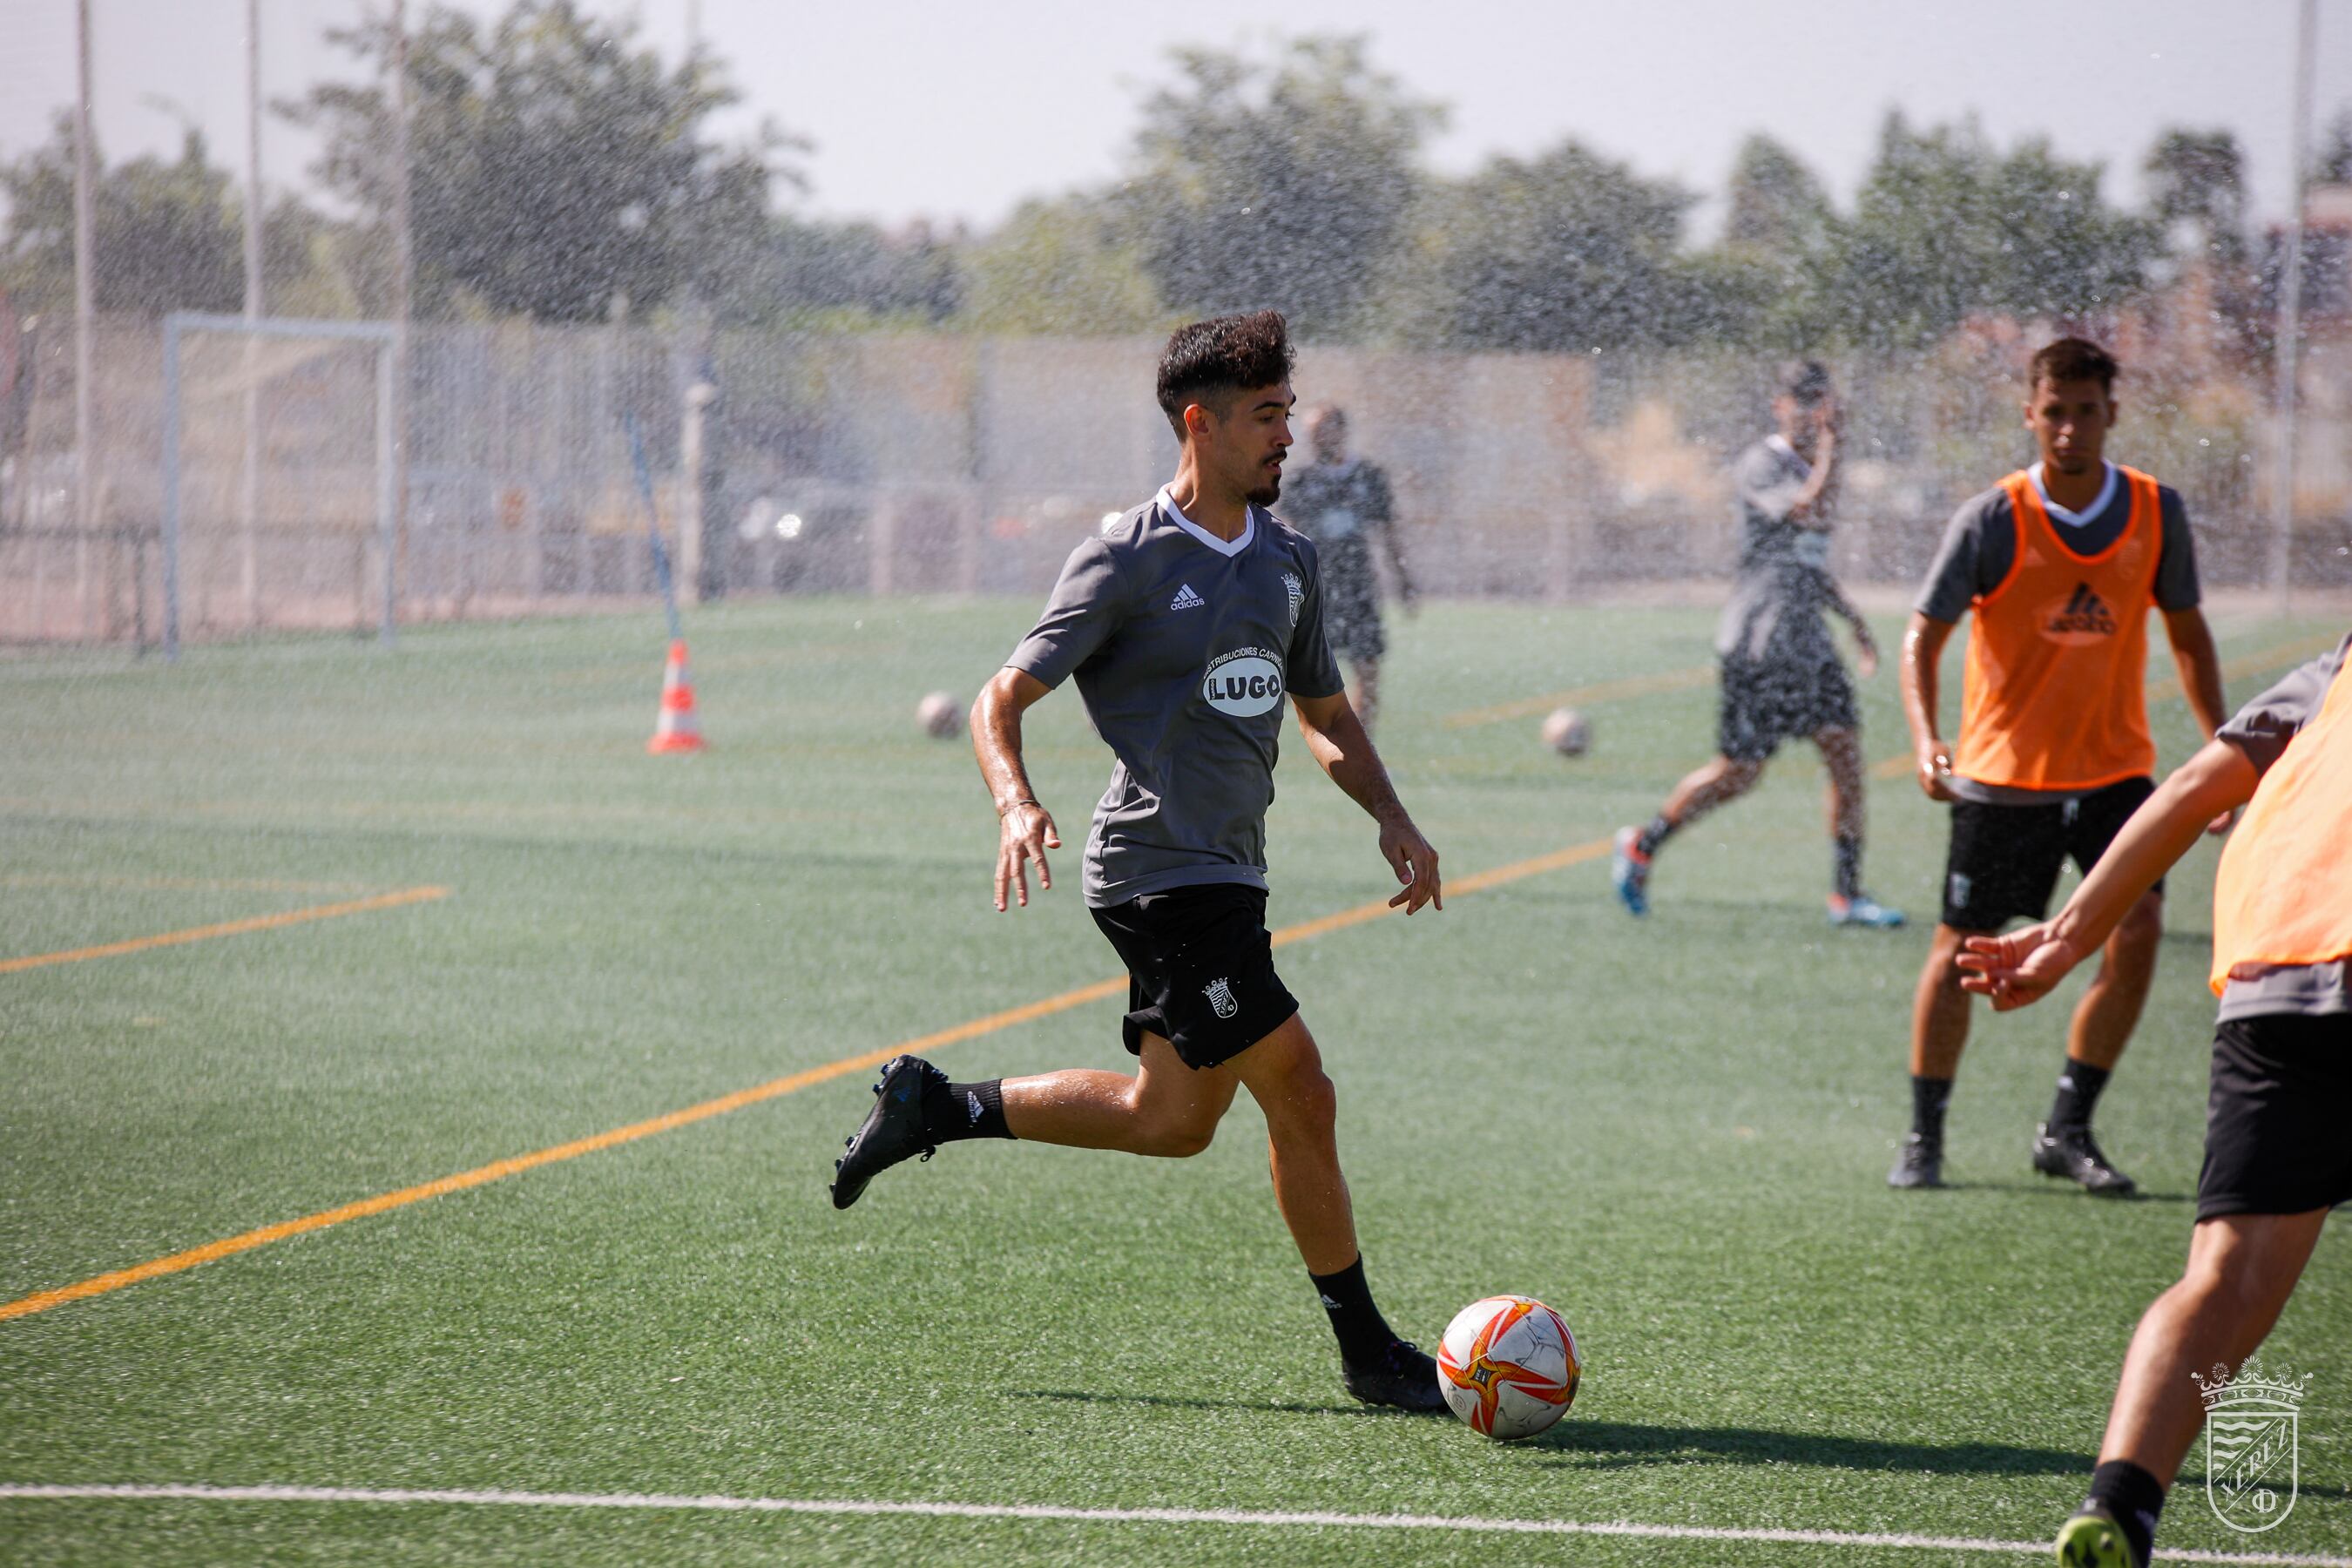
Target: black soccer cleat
(1403, 1377)
(1919, 1163)
(892, 1132)
(2073, 1153)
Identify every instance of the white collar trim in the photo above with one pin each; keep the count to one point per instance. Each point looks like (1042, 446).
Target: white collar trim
(1228, 548)
(2076, 518)
(1780, 444)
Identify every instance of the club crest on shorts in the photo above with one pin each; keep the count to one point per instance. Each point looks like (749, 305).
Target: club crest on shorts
(1221, 996)
(1298, 591)
(2252, 1458)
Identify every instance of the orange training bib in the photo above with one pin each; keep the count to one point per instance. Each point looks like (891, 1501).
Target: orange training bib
(2284, 893)
(2054, 692)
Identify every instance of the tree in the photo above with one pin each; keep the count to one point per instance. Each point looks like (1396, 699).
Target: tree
(2335, 164)
(1061, 268)
(2197, 178)
(1944, 228)
(1777, 207)
(558, 170)
(848, 275)
(1280, 183)
(1565, 252)
(165, 236)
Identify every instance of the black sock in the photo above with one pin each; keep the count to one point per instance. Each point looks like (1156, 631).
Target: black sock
(2078, 1094)
(1848, 866)
(955, 1111)
(1928, 1098)
(1650, 837)
(2132, 1495)
(1364, 1335)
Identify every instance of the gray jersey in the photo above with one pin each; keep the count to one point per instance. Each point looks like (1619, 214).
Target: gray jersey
(1184, 646)
(1980, 545)
(2261, 729)
(1783, 583)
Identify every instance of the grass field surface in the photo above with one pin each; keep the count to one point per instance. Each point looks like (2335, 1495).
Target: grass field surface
(434, 910)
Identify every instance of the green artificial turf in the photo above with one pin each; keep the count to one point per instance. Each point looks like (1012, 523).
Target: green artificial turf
(1676, 1131)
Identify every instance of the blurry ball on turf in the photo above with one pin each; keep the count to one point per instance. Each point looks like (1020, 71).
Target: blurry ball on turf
(1508, 1366)
(939, 714)
(1566, 732)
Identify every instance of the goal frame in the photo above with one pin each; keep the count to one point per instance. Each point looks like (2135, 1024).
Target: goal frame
(384, 335)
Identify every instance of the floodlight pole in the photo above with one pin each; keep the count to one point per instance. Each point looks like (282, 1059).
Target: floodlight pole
(251, 509)
(2290, 323)
(391, 411)
(84, 322)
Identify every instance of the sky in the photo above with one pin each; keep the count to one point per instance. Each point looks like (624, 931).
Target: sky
(956, 113)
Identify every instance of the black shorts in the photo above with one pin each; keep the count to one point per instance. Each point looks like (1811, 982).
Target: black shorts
(2274, 1120)
(1199, 970)
(1763, 702)
(1351, 619)
(2005, 859)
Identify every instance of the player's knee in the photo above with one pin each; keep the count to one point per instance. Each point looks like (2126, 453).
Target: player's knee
(2142, 926)
(1180, 1140)
(1309, 1103)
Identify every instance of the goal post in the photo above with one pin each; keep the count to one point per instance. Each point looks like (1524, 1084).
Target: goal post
(376, 336)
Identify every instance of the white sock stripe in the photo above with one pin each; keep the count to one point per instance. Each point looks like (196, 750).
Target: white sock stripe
(34, 1492)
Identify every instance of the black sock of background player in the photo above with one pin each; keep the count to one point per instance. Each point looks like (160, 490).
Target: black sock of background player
(955, 1111)
(2078, 1094)
(1848, 866)
(1928, 1098)
(2133, 1496)
(1364, 1335)
(1650, 837)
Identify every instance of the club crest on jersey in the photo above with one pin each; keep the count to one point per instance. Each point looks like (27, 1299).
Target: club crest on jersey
(2082, 617)
(1221, 996)
(1245, 683)
(1298, 591)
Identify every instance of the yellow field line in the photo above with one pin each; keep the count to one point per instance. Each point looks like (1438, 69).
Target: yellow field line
(498, 1170)
(226, 928)
(1603, 692)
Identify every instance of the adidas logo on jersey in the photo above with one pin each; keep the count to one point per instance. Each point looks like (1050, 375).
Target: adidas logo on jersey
(2084, 612)
(1186, 599)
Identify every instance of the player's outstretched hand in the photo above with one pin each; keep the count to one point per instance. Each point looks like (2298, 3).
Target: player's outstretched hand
(1934, 771)
(1416, 862)
(1023, 834)
(2019, 968)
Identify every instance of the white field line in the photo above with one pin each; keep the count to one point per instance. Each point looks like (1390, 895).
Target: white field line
(27, 1491)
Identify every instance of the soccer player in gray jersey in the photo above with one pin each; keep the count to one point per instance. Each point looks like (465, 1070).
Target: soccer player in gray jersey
(1345, 506)
(1781, 675)
(1186, 624)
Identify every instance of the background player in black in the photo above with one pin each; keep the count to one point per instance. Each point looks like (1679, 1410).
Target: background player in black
(1782, 676)
(1344, 504)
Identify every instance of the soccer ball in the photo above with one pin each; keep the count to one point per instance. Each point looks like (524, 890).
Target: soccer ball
(1565, 730)
(1508, 1366)
(939, 714)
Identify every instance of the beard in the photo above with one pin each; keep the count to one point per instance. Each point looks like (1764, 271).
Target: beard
(1267, 494)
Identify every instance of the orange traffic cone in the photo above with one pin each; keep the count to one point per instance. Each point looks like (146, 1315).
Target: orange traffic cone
(676, 730)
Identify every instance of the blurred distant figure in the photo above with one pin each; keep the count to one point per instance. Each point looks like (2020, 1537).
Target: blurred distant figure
(1344, 504)
(1781, 675)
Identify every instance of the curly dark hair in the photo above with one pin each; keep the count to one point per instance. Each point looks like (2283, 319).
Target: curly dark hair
(2074, 359)
(1210, 362)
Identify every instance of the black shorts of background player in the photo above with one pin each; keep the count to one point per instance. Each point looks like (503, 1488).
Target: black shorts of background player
(1782, 676)
(1186, 624)
(2276, 1159)
(1345, 505)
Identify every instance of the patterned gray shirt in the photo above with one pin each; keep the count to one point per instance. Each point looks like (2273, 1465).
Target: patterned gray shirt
(1184, 646)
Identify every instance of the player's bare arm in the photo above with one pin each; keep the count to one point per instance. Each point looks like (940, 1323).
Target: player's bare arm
(1923, 650)
(1810, 509)
(2200, 663)
(1345, 751)
(1866, 645)
(2020, 968)
(1025, 829)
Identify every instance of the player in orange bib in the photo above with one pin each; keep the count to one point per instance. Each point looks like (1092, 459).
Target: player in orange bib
(2276, 1158)
(2061, 564)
